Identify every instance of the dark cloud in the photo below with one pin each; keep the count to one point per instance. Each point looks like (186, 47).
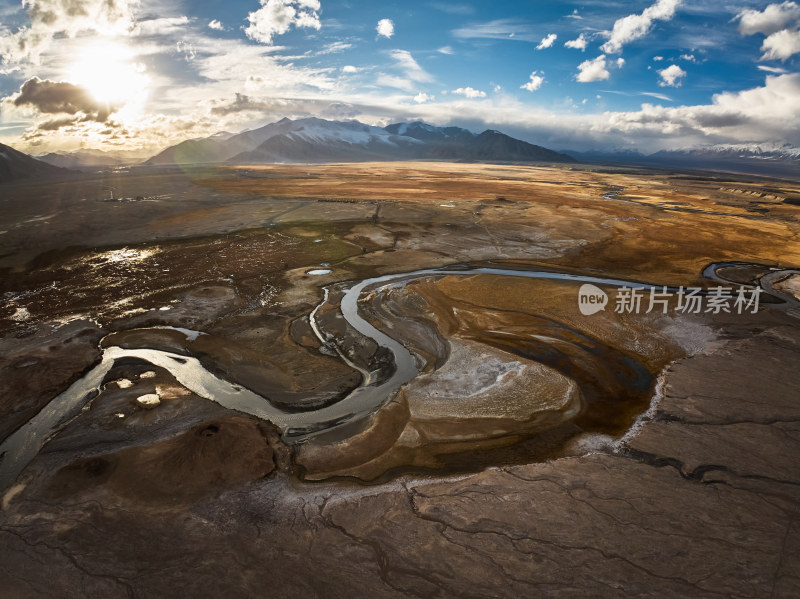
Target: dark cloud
(340, 110)
(61, 97)
(242, 103)
(56, 124)
(291, 107)
(722, 119)
(54, 13)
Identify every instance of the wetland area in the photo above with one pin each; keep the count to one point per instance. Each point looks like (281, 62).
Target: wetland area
(375, 379)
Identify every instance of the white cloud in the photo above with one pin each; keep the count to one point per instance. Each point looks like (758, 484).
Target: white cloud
(187, 49)
(422, 97)
(276, 17)
(161, 26)
(579, 43)
(385, 28)
(771, 20)
(634, 27)
(335, 48)
(54, 18)
(688, 57)
(776, 70)
(757, 114)
(750, 116)
(671, 76)
(216, 25)
(501, 29)
(620, 62)
(446, 50)
(780, 23)
(349, 69)
(403, 83)
(574, 15)
(659, 96)
(593, 70)
(658, 58)
(781, 45)
(469, 92)
(535, 82)
(230, 65)
(547, 41)
(410, 66)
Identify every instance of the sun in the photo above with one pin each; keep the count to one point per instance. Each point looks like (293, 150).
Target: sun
(108, 71)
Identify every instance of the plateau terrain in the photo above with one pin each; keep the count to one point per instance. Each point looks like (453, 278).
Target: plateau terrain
(378, 379)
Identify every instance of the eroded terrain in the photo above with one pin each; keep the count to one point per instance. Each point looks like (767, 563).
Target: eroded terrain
(521, 448)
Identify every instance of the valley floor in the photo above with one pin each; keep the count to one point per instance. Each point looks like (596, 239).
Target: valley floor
(538, 451)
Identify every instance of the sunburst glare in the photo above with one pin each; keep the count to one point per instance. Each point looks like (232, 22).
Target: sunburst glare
(111, 75)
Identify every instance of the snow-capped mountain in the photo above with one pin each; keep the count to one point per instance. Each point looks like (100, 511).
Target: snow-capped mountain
(769, 151)
(755, 158)
(319, 140)
(774, 152)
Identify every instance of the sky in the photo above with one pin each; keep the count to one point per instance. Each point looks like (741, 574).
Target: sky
(139, 75)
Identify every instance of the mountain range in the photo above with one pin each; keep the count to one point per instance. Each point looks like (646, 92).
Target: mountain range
(92, 159)
(319, 140)
(758, 159)
(16, 165)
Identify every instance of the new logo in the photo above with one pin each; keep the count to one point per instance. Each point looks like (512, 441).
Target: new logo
(591, 299)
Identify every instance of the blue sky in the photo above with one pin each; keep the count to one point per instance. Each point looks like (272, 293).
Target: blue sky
(653, 74)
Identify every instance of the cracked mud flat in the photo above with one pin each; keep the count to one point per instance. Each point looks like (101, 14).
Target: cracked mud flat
(453, 489)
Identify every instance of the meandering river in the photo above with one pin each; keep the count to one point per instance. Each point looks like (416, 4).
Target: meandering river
(23, 445)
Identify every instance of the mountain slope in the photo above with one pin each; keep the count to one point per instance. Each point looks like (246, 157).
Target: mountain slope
(493, 145)
(429, 133)
(77, 160)
(15, 165)
(319, 140)
(218, 148)
(198, 151)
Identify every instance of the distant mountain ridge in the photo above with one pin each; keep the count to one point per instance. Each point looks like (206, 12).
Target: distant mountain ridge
(16, 165)
(318, 140)
(89, 158)
(758, 159)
